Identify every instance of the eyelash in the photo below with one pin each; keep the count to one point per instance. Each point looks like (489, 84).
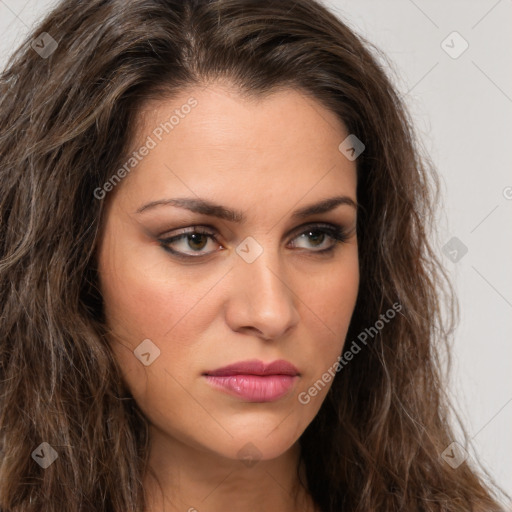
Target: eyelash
(337, 233)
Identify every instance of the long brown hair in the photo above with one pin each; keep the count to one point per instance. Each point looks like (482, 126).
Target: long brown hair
(68, 109)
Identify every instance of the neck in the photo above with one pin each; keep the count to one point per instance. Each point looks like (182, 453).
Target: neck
(185, 478)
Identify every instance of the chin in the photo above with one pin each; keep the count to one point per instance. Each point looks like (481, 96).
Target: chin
(261, 441)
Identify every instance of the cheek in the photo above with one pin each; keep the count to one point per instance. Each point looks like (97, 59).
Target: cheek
(143, 302)
(329, 302)
(148, 297)
(331, 294)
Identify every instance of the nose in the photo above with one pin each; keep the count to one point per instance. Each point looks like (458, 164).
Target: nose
(260, 299)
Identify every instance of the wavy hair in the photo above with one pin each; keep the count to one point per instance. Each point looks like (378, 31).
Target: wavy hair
(66, 120)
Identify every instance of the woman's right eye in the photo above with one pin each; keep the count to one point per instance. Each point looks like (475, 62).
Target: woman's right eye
(192, 239)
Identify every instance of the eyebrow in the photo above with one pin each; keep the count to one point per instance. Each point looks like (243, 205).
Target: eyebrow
(211, 209)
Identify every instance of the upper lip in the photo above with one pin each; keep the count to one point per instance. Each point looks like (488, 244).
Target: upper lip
(255, 367)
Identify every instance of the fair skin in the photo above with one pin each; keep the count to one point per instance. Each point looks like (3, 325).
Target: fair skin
(267, 158)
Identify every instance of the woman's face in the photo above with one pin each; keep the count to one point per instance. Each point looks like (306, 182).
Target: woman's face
(257, 289)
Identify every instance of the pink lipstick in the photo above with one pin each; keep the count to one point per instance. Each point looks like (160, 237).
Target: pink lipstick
(255, 381)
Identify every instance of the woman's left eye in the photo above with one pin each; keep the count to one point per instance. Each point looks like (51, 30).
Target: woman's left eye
(196, 239)
(320, 234)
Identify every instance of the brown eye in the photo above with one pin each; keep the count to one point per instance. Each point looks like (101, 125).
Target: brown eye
(189, 244)
(316, 236)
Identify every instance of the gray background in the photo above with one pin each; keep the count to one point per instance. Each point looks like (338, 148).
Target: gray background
(462, 108)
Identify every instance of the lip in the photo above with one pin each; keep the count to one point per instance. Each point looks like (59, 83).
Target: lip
(255, 367)
(255, 381)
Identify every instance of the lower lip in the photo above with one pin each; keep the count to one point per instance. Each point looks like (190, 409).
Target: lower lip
(254, 388)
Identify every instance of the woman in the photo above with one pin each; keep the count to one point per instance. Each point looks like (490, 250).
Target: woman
(218, 290)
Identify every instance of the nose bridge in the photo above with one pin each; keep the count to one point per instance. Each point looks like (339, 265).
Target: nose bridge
(263, 298)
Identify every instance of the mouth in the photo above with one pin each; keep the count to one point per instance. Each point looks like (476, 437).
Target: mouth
(255, 381)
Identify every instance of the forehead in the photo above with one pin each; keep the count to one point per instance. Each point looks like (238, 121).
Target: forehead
(212, 142)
